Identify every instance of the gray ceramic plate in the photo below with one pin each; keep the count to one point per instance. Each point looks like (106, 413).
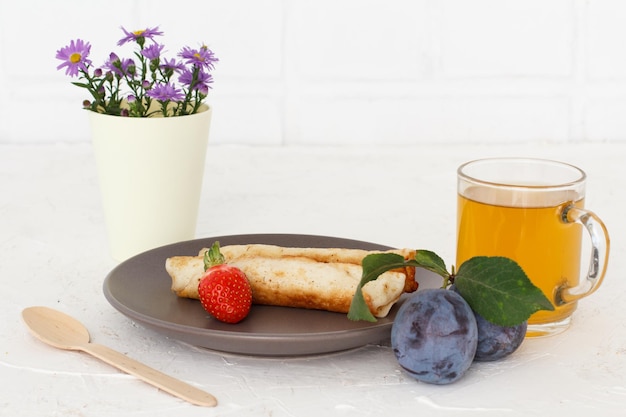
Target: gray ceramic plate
(140, 289)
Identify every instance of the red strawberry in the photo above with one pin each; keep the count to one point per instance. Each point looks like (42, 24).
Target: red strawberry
(224, 290)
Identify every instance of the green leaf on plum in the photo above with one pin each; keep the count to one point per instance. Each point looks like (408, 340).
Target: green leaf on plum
(373, 266)
(497, 288)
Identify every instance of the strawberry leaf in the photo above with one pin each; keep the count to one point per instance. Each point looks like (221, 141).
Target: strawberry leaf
(498, 289)
(213, 256)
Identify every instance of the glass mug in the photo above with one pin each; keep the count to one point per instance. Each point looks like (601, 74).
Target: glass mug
(531, 210)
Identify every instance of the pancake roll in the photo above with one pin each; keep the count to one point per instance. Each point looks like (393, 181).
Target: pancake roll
(313, 278)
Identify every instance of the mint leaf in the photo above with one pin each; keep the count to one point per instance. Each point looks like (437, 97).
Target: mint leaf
(373, 265)
(498, 289)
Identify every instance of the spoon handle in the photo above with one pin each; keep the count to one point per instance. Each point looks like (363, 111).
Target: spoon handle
(152, 376)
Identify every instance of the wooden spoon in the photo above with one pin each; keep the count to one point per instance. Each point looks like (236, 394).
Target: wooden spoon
(64, 332)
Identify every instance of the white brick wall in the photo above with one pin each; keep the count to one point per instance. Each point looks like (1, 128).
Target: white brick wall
(345, 71)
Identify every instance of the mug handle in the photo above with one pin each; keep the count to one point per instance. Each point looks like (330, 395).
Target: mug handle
(600, 246)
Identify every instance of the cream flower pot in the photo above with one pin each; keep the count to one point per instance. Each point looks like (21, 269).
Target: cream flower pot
(150, 173)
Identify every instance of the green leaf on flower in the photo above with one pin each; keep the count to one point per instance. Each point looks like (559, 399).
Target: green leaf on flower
(498, 289)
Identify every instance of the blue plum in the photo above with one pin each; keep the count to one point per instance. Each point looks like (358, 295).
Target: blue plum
(496, 342)
(434, 336)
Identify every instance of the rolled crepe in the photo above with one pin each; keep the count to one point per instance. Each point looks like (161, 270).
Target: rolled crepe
(314, 278)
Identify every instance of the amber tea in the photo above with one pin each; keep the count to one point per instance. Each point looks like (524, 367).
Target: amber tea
(532, 212)
(547, 249)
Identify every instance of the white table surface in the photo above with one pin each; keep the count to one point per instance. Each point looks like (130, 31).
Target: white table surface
(53, 252)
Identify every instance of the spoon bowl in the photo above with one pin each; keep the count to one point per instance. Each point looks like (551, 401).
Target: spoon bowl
(65, 332)
(55, 328)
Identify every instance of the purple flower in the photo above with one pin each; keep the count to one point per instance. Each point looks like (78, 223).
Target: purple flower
(173, 65)
(120, 67)
(153, 51)
(74, 57)
(147, 77)
(165, 92)
(139, 36)
(203, 57)
(196, 80)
